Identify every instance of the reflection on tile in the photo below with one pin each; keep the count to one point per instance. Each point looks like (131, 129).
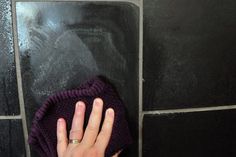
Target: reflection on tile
(63, 43)
(8, 86)
(189, 53)
(11, 139)
(190, 135)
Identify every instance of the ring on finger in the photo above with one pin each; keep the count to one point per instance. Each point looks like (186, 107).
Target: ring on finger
(74, 141)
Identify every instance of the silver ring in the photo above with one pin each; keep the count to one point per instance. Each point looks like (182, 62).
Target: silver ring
(74, 141)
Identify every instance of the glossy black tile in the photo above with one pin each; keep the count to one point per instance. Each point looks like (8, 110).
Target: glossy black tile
(8, 85)
(190, 134)
(11, 139)
(64, 43)
(189, 53)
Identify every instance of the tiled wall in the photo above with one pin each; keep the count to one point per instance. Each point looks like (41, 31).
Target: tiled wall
(172, 61)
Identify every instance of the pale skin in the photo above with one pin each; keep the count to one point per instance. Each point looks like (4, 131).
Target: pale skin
(92, 143)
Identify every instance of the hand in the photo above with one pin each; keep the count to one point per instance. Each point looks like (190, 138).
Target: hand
(90, 143)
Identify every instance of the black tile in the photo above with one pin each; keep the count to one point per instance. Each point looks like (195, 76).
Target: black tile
(64, 43)
(33, 153)
(190, 134)
(11, 139)
(8, 86)
(189, 53)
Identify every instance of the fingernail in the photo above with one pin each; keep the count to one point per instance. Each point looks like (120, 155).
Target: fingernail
(59, 122)
(80, 104)
(110, 112)
(97, 102)
(77, 105)
(79, 108)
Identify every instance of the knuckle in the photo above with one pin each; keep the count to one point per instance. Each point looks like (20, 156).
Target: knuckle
(95, 113)
(92, 128)
(94, 152)
(76, 131)
(60, 131)
(74, 154)
(104, 132)
(61, 141)
(77, 153)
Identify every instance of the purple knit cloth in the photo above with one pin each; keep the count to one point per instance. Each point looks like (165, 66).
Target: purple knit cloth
(43, 132)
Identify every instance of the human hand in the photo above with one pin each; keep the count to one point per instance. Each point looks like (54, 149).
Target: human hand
(90, 143)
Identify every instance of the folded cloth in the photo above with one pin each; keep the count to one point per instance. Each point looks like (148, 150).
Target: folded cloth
(43, 138)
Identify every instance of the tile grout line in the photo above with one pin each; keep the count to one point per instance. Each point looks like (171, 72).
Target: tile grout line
(189, 110)
(129, 1)
(140, 118)
(10, 117)
(19, 80)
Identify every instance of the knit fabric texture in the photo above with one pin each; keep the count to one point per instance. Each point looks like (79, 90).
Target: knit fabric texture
(43, 138)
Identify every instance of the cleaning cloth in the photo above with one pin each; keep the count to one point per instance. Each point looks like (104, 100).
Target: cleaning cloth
(42, 136)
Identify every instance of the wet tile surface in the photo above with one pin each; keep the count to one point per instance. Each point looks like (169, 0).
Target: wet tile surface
(190, 135)
(189, 53)
(64, 43)
(8, 86)
(11, 139)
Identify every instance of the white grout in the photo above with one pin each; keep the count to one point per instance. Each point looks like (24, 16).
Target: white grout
(19, 81)
(188, 110)
(140, 77)
(10, 117)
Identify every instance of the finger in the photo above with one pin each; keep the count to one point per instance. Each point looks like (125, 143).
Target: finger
(92, 128)
(62, 140)
(76, 131)
(105, 133)
(117, 154)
